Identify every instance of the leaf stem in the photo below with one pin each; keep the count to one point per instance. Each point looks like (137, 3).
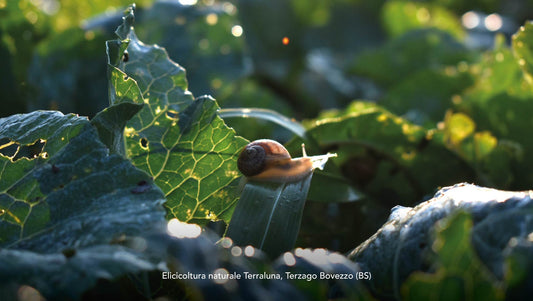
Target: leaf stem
(265, 114)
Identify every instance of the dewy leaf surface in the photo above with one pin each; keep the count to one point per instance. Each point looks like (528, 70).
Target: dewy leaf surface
(461, 274)
(23, 210)
(59, 277)
(181, 142)
(62, 207)
(75, 195)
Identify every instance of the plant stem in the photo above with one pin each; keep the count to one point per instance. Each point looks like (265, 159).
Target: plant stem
(265, 114)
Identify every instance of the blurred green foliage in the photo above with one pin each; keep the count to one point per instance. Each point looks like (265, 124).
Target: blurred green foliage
(429, 111)
(392, 87)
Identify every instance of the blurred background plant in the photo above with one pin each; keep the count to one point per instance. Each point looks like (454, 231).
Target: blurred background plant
(412, 95)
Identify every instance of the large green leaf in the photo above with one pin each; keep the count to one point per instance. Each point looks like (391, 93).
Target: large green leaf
(67, 275)
(180, 141)
(26, 141)
(413, 51)
(462, 254)
(380, 151)
(268, 215)
(460, 275)
(37, 193)
(63, 199)
(500, 102)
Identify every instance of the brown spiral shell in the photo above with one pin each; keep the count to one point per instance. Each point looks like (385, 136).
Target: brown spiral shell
(260, 155)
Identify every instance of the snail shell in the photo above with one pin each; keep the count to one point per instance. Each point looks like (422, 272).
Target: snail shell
(268, 160)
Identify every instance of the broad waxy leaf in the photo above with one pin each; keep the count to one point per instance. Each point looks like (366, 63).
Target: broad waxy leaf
(63, 204)
(461, 275)
(392, 149)
(268, 215)
(38, 212)
(500, 102)
(180, 141)
(23, 211)
(406, 243)
(67, 275)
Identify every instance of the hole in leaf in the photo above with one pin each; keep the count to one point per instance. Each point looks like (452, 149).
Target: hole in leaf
(8, 148)
(68, 253)
(142, 187)
(125, 57)
(15, 151)
(2, 211)
(144, 143)
(171, 114)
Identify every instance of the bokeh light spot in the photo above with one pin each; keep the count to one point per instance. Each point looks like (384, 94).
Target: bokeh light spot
(470, 20)
(236, 31)
(493, 22)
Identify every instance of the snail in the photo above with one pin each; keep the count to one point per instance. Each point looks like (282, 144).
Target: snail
(268, 160)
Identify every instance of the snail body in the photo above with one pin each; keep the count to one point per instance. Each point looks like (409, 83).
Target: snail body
(268, 160)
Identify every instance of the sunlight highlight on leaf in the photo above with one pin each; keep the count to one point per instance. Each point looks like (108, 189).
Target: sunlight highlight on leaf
(183, 230)
(177, 139)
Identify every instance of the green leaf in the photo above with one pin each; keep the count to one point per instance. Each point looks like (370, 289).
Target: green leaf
(181, 142)
(193, 161)
(458, 127)
(416, 50)
(461, 275)
(67, 275)
(67, 73)
(339, 190)
(469, 259)
(424, 96)
(36, 193)
(162, 81)
(400, 17)
(523, 49)
(499, 102)
(268, 215)
(22, 208)
(518, 268)
(126, 101)
(60, 206)
(110, 124)
(379, 150)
